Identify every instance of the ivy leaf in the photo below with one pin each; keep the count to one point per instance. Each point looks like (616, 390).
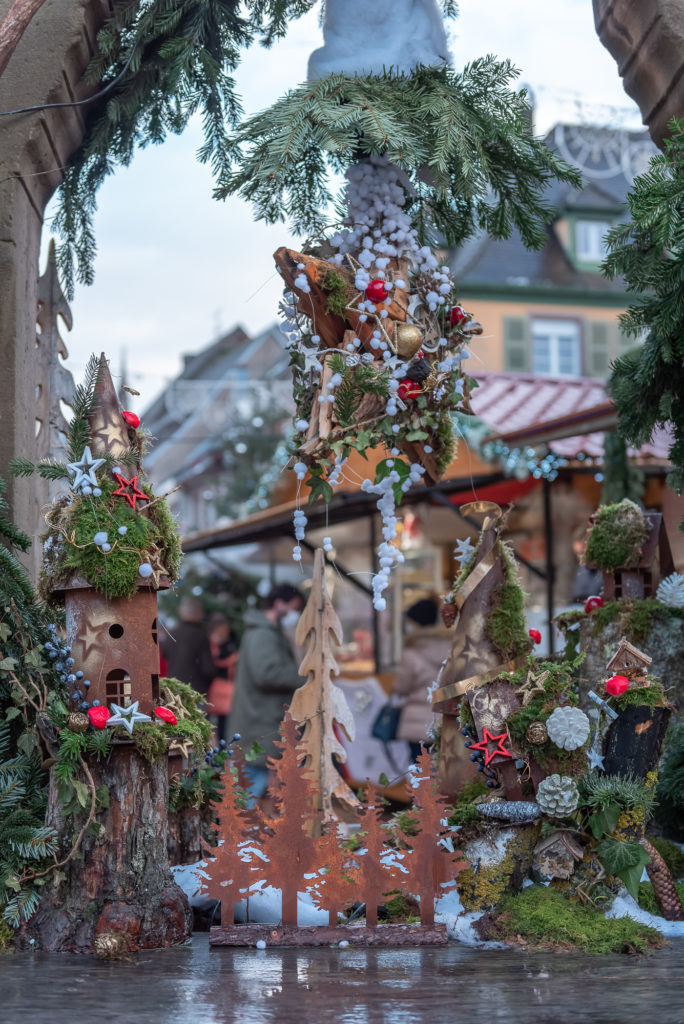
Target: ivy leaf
(8, 664)
(27, 742)
(254, 751)
(320, 488)
(604, 822)
(82, 792)
(5, 631)
(417, 435)
(102, 798)
(12, 713)
(626, 860)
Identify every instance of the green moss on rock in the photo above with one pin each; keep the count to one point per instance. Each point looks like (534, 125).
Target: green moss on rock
(336, 287)
(540, 918)
(616, 536)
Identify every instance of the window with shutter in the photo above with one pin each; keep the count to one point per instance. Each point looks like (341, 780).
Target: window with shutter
(516, 345)
(597, 349)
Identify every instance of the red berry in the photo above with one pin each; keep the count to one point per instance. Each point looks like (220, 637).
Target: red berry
(535, 635)
(376, 291)
(98, 716)
(408, 389)
(131, 419)
(166, 715)
(458, 316)
(592, 603)
(617, 685)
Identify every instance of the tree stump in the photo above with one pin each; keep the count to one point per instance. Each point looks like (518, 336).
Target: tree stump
(119, 880)
(635, 741)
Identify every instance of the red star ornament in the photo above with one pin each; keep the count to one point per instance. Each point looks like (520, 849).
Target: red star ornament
(483, 745)
(135, 494)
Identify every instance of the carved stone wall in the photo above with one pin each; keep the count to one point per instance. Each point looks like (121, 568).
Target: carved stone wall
(47, 67)
(647, 41)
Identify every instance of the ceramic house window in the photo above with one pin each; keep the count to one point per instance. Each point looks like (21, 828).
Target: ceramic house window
(590, 240)
(556, 348)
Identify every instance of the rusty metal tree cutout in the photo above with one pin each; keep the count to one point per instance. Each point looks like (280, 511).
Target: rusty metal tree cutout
(231, 871)
(431, 865)
(319, 703)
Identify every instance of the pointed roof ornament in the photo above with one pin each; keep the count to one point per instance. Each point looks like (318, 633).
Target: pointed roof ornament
(108, 430)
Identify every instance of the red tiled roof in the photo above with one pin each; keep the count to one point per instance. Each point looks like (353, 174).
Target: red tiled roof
(512, 403)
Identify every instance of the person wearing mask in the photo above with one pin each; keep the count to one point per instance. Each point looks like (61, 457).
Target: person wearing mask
(265, 679)
(189, 652)
(425, 648)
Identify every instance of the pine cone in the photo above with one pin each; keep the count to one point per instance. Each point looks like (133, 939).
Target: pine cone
(537, 733)
(77, 722)
(449, 614)
(663, 884)
(109, 946)
(568, 728)
(557, 795)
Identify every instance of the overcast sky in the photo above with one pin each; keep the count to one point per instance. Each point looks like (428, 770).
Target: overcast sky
(175, 268)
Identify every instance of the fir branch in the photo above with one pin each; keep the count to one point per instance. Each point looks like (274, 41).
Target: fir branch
(647, 383)
(468, 129)
(21, 467)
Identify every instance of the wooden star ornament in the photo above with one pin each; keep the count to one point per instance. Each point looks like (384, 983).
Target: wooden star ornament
(174, 703)
(129, 490)
(533, 684)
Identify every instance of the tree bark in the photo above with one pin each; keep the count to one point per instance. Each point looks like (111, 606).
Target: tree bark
(14, 26)
(119, 881)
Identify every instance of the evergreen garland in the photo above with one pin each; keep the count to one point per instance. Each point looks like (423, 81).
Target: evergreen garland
(463, 137)
(647, 383)
(171, 59)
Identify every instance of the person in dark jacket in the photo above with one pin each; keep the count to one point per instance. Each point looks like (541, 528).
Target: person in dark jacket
(265, 679)
(189, 655)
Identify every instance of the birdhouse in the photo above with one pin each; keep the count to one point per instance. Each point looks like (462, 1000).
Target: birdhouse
(112, 634)
(656, 562)
(114, 643)
(629, 661)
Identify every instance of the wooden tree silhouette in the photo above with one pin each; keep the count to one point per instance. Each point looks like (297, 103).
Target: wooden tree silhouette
(376, 875)
(319, 703)
(339, 884)
(430, 864)
(231, 872)
(288, 843)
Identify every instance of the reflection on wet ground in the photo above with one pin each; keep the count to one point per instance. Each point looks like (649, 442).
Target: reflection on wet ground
(198, 985)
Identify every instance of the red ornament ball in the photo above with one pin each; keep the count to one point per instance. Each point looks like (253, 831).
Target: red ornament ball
(458, 316)
(535, 635)
(98, 716)
(166, 715)
(617, 685)
(131, 419)
(408, 389)
(592, 603)
(376, 291)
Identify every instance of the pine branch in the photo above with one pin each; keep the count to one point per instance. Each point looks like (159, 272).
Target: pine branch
(469, 128)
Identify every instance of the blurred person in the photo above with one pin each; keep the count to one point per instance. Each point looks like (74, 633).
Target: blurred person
(265, 679)
(222, 686)
(587, 582)
(425, 648)
(189, 653)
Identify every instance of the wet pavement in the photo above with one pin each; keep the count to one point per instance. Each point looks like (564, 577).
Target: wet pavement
(198, 985)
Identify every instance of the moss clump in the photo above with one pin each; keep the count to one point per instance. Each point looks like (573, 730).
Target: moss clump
(400, 907)
(444, 443)
(149, 532)
(336, 288)
(637, 618)
(652, 696)
(506, 626)
(616, 537)
(540, 917)
(149, 738)
(465, 809)
(647, 898)
(6, 936)
(196, 726)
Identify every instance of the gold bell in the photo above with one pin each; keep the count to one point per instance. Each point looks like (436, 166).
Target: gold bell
(407, 338)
